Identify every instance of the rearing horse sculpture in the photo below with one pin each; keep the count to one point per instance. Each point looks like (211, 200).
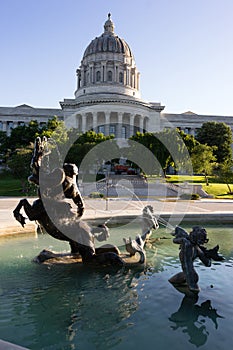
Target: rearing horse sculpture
(55, 215)
(59, 220)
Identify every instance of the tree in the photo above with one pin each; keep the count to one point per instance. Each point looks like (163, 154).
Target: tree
(83, 143)
(225, 175)
(203, 160)
(219, 135)
(189, 140)
(19, 164)
(23, 135)
(3, 141)
(167, 147)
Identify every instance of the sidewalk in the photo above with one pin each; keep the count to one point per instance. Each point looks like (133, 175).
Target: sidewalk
(199, 211)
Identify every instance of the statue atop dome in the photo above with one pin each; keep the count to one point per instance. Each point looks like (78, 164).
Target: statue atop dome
(109, 25)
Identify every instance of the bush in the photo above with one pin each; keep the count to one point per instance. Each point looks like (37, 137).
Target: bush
(96, 195)
(192, 196)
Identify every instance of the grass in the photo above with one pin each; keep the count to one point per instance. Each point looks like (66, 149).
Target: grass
(9, 186)
(185, 178)
(217, 190)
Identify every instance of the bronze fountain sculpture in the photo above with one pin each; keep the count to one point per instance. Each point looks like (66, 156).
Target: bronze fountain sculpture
(191, 247)
(56, 216)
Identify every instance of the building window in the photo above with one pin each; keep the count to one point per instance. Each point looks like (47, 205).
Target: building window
(123, 132)
(121, 77)
(109, 75)
(112, 129)
(98, 75)
(101, 129)
(1, 126)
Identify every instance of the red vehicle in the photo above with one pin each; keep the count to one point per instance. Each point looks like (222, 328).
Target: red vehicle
(119, 169)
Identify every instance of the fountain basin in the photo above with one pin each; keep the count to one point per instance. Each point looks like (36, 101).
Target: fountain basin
(71, 306)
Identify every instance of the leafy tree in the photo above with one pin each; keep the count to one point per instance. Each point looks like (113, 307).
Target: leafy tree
(167, 147)
(203, 160)
(83, 143)
(217, 134)
(3, 141)
(225, 175)
(19, 164)
(92, 137)
(22, 135)
(189, 140)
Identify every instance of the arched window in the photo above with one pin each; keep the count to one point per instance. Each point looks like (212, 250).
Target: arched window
(109, 75)
(98, 75)
(121, 77)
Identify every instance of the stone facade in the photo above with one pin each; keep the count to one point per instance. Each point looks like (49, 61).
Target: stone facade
(107, 98)
(190, 122)
(11, 117)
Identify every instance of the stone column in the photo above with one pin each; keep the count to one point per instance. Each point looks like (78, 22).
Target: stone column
(116, 77)
(94, 124)
(119, 125)
(138, 75)
(84, 122)
(4, 126)
(141, 123)
(107, 123)
(103, 71)
(78, 72)
(131, 125)
(82, 78)
(77, 122)
(91, 74)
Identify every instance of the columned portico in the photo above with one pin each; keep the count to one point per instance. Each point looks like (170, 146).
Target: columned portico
(121, 124)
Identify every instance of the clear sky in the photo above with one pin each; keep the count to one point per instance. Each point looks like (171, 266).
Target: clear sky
(182, 48)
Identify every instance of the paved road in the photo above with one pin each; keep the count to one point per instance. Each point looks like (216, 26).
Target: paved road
(206, 210)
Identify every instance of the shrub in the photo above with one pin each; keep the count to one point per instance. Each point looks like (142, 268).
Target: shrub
(192, 196)
(96, 195)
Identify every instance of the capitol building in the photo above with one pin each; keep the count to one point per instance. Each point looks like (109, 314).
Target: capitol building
(107, 98)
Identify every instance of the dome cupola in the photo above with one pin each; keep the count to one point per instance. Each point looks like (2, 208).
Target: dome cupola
(108, 66)
(109, 26)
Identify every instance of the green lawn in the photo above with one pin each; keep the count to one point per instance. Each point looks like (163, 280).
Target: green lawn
(217, 190)
(10, 187)
(13, 187)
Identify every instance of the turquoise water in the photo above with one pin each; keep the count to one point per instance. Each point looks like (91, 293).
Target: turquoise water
(73, 307)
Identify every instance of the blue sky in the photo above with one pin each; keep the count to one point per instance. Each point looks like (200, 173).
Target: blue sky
(183, 50)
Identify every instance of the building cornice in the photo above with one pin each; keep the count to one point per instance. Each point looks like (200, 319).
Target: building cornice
(74, 104)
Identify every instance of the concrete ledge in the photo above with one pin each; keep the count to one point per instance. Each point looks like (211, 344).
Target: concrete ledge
(17, 229)
(195, 218)
(4, 345)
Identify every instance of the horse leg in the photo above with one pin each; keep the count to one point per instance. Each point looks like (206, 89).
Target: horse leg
(18, 216)
(30, 210)
(74, 247)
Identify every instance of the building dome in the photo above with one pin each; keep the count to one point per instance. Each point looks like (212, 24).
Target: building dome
(108, 42)
(108, 66)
